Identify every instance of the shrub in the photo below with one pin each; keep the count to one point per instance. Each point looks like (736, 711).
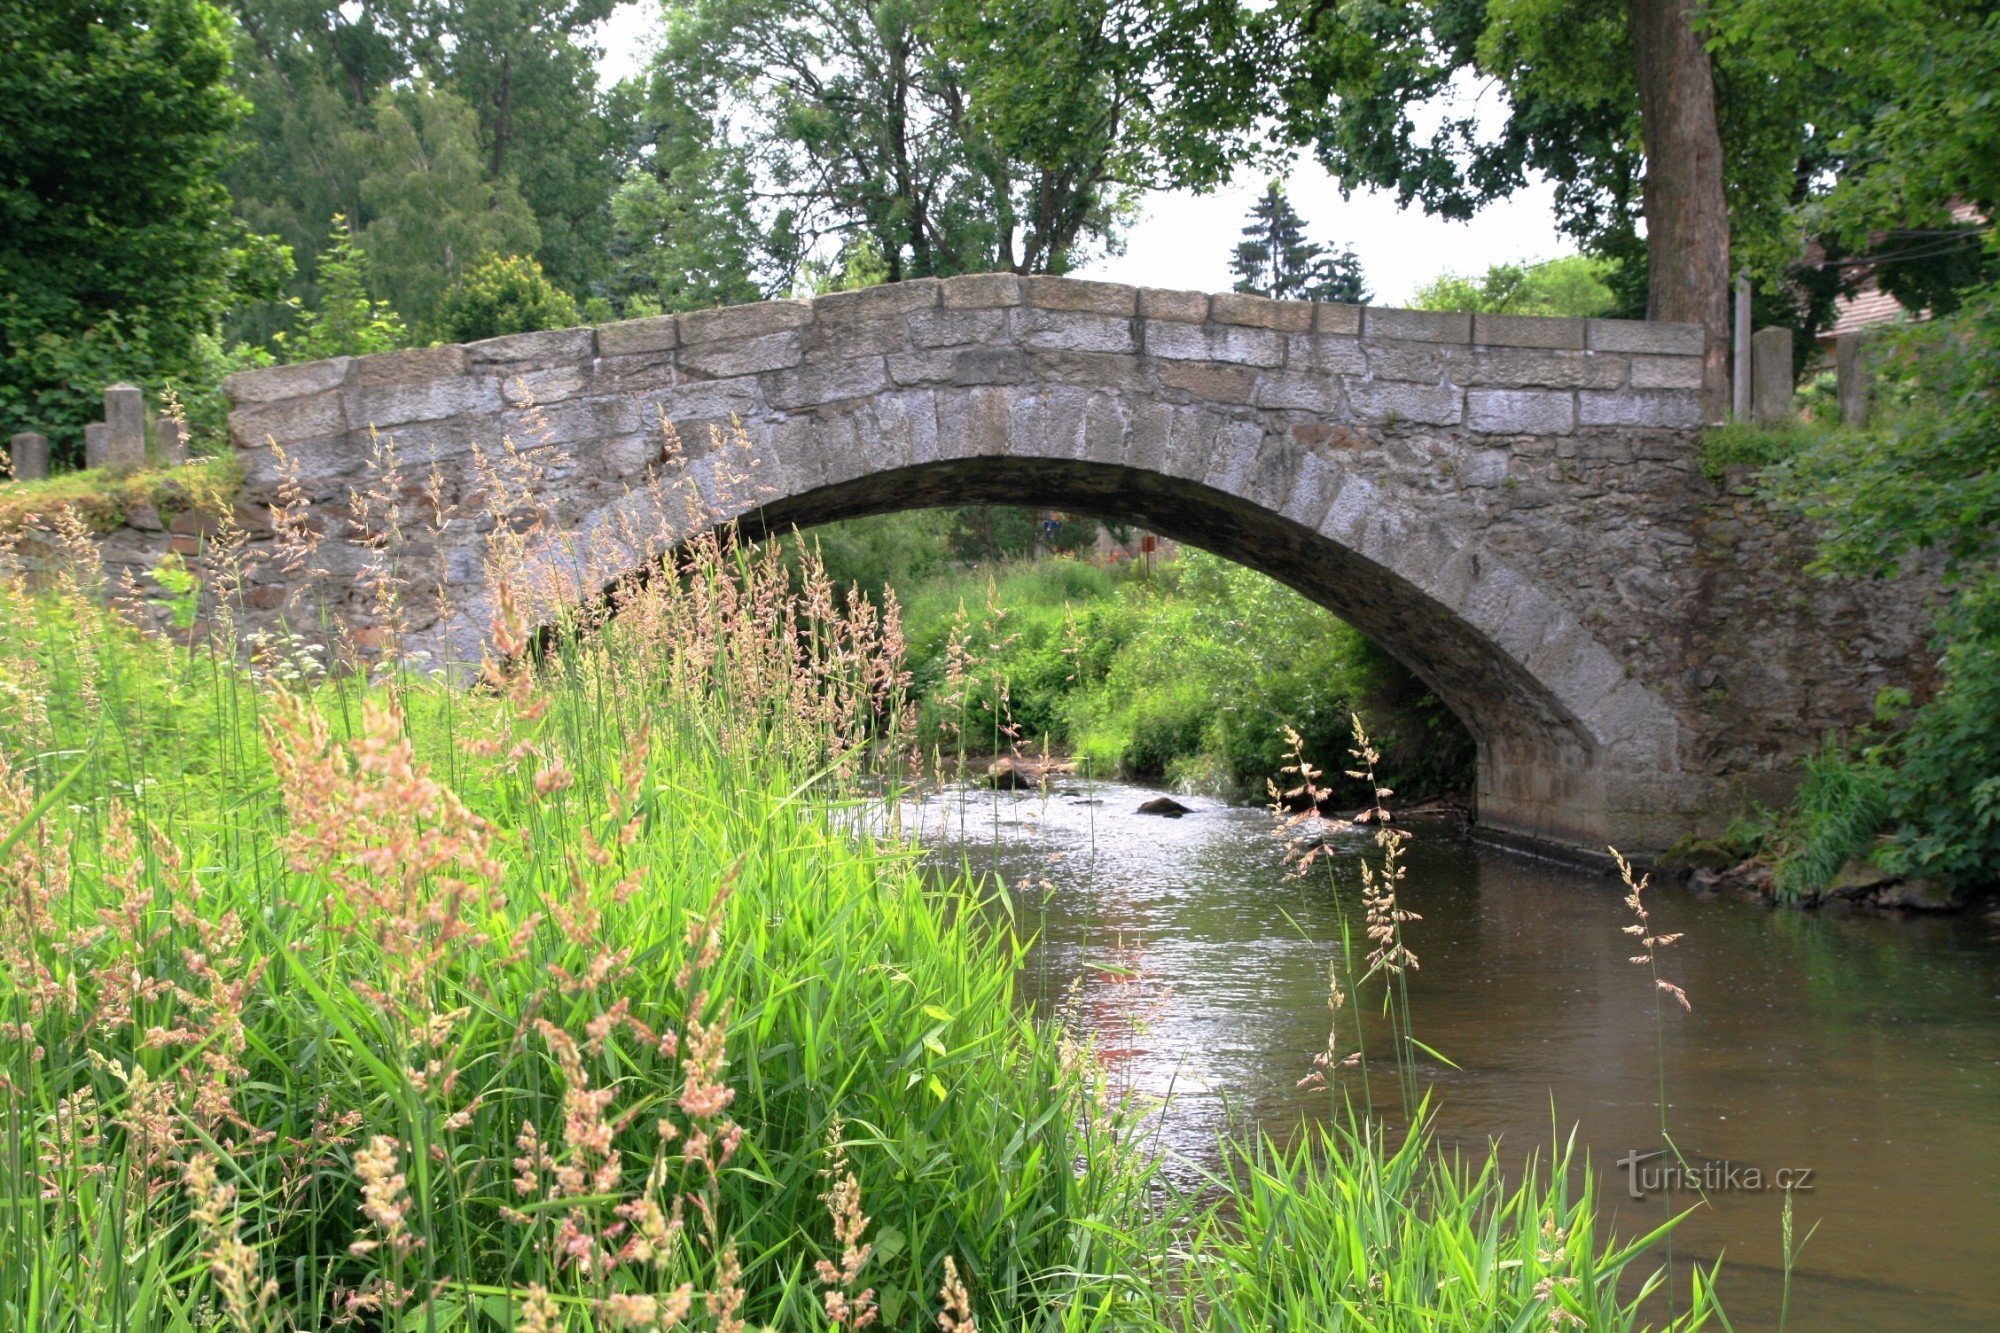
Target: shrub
(502, 295)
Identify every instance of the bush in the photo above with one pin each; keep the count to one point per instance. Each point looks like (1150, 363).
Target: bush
(502, 295)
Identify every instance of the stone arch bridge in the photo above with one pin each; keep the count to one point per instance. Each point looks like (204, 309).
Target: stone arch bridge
(1514, 507)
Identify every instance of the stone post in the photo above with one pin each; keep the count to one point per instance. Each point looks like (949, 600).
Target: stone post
(1740, 366)
(1851, 374)
(169, 442)
(96, 445)
(125, 417)
(30, 455)
(1771, 376)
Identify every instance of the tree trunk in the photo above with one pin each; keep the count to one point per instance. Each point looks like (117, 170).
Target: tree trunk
(1687, 214)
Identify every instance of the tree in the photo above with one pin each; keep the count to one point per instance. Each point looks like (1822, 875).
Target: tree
(118, 253)
(432, 210)
(346, 321)
(958, 135)
(1275, 259)
(1574, 285)
(504, 294)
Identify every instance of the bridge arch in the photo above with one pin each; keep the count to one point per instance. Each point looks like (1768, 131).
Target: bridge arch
(1416, 472)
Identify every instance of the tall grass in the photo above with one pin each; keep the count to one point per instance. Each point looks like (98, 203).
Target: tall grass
(573, 1001)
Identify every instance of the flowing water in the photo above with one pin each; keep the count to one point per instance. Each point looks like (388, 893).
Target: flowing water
(1863, 1050)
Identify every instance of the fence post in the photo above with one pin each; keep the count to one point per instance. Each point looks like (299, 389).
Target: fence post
(29, 453)
(1852, 378)
(1771, 375)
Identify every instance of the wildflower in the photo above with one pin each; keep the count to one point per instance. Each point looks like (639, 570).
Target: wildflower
(847, 1308)
(383, 1199)
(1642, 930)
(539, 1313)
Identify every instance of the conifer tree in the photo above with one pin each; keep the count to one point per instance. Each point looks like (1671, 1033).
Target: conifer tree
(1275, 259)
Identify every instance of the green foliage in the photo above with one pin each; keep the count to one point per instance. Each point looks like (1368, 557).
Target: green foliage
(117, 250)
(1924, 482)
(1573, 285)
(1189, 676)
(882, 554)
(346, 321)
(503, 294)
(1841, 805)
(1751, 444)
(433, 211)
(1276, 260)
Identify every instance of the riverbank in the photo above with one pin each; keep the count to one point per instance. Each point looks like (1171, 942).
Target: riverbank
(568, 1002)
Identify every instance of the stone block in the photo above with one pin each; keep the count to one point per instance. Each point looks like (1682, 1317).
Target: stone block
(973, 423)
(1208, 381)
(1075, 294)
(1096, 370)
(169, 442)
(955, 328)
(524, 386)
(1047, 423)
(855, 331)
(930, 366)
(270, 383)
(1527, 331)
(1325, 354)
(397, 403)
(547, 345)
(704, 400)
(820, 382)
(1107, 430)
(1261, 312)
(1432, 326)
(1416, 362)
(889, 298)
(96, 445)
(1065, 330)
(1303, 393)
(1852, 379)
(1551, 368)
(1666, 372)
(1418, 404)
(989, 365)
(1645, 335)
(1771, 381)
(1176, 307)
(1520, 411)
(1675, 409)
(980, 291)
(658, 333)
(1336, 318)
(751, 356)
(736, 322)
(412, 365)
(291, 419)
(28, 453)
(1235, 344)
(125, 414)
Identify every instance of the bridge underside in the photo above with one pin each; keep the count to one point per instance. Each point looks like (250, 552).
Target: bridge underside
(1539, 775)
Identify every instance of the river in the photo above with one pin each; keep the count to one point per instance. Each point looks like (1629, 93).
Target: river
(1865, 1050)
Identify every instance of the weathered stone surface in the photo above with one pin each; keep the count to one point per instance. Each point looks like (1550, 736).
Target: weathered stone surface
(770, 351)
(549, 345)
(28, 456)
(744, 321)
(125, 419)
(1770, 376)
(1232, 344)
(1179, 307)
(1070, 330)
(1096, 298)
(1261, 312)
(1437, 326)
(271, 383)
(1526, 331)
(1518, 517)
(1520, 411)
(96, 445)
(1644, 407)
(1631, 335)
(981, 291)
(1421, 404)
(659, 333)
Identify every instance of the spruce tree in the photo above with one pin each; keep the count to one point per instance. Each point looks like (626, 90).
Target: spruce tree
(1275, 259)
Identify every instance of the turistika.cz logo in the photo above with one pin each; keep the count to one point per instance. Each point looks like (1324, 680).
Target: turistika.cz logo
(1655, 1172)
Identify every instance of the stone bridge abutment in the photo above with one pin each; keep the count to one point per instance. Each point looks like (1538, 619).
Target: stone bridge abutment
(1514, 507)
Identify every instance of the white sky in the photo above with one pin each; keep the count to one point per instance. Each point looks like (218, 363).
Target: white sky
(1184, 240)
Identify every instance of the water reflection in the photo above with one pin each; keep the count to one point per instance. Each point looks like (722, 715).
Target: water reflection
(1867, 1050)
